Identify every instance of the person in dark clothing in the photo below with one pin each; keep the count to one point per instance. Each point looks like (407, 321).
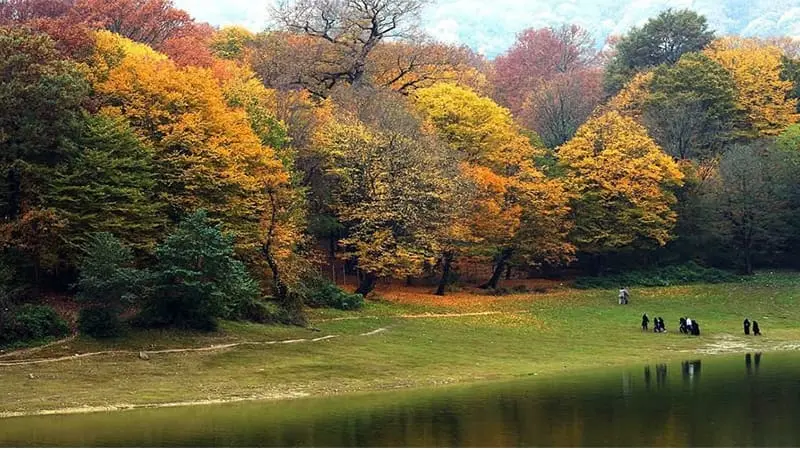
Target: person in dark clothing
(756, 329)
(657, 325)
(682, 327)
(645, 321)
(661, 325)
(746, 324)
(695, 328)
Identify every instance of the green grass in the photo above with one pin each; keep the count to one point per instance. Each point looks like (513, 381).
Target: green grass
(544, 334)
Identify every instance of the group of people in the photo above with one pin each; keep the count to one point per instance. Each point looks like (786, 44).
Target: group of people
(687, 325)
(658, 324)
(756, 328)
(690, 326)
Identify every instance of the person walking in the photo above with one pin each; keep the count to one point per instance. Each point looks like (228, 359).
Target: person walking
(746, 325)
(645, 321)
(756, 329)
(623, 296)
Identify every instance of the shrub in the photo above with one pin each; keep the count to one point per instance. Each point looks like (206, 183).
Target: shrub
(106, 284)
(269, 312)
(32, 323)
(318, 292)
(197, 279)
(661, 276)
(99, 322)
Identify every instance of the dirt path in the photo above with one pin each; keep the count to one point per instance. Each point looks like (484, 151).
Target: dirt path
(26, 351)
(145, 354)
(159, 352)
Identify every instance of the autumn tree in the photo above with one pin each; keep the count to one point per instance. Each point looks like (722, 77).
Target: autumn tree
(150, 22)
(347, 32)
(517, 210)
(22, 11)
(539, 55)
(691, 108)
(232, 42)
(390, 186)
(632, 99)
(40, 116)
(762, 95)
(662, 40)
(189, 46)
(206, 153)
(750, 202)
(622, 182)
(40, 97)
(557, 107)
(406, 66)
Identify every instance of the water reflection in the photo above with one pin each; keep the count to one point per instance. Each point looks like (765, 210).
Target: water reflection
(728, 409)
(691, 371)
(748, 363)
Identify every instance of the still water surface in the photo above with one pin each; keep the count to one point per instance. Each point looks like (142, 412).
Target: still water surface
(747, 400)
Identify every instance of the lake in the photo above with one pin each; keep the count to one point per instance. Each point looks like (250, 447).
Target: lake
(731, 401)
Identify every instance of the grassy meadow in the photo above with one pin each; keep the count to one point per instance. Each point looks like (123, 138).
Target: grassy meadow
(404, 337)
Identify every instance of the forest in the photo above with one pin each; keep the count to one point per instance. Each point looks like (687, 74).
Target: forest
(165, 172)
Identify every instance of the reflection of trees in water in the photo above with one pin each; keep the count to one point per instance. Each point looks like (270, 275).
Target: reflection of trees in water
(728, 409)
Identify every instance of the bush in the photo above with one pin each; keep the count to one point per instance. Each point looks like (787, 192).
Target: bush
(661, 276)
(107, 284)
(32, 323)
(197, 279)
(99, 322)
(269, 312)
(318, 292)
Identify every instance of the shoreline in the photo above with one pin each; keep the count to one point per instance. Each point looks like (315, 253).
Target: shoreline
(295, 395)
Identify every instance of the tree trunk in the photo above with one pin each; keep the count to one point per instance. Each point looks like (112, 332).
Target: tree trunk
(748, 262)
(447, 260)
(367, 284)
(508, 271)
(279, 287)
(505, 255)
(14, 189)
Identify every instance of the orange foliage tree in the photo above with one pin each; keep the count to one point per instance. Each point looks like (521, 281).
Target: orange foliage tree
(516, 208)
(206, 152)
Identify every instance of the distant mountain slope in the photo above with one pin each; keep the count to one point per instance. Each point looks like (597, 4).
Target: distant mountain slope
(490, 26)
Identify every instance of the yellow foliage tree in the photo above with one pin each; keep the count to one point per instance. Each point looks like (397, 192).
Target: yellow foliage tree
(631, 100)
(761, 93)
(516, 209)
(391, 187)
(207, 154)
(622, 182)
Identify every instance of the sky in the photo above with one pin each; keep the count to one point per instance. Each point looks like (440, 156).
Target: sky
(490, 27)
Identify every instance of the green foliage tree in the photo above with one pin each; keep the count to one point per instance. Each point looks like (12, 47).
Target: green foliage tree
(750, 202)
(691, 108)
(107, 285)
(790, 71)
(197, 278)
(662, 40)
(40, 114)
(109, 186)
